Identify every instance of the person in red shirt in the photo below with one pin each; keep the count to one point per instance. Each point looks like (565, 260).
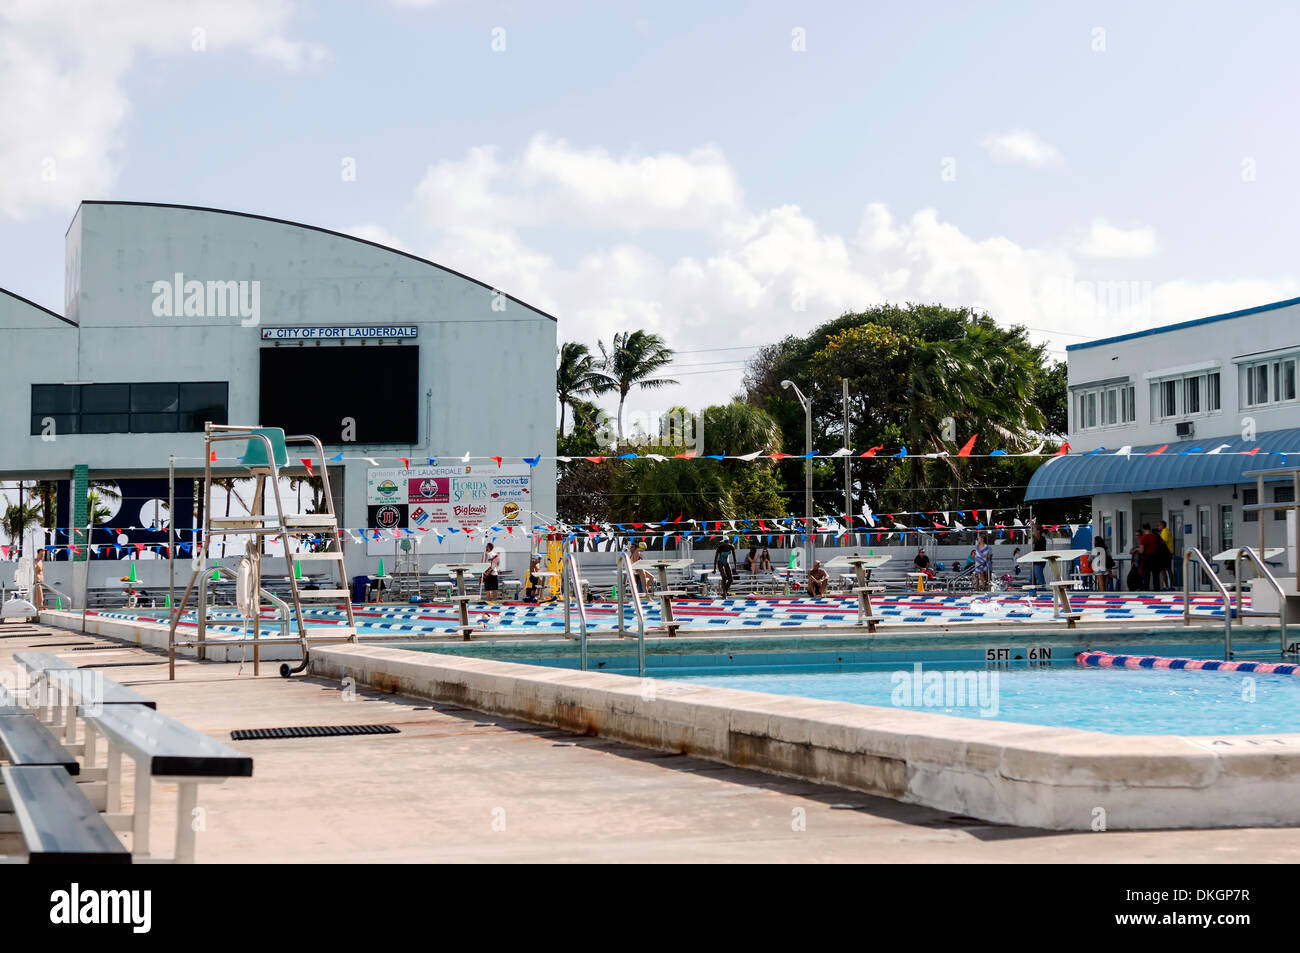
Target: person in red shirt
(1149, 543)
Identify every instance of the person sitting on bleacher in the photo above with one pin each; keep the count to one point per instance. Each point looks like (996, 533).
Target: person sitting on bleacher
(534, 590)
(818, 580)
(922, 563)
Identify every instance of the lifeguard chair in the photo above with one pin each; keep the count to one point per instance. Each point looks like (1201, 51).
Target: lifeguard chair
(265, 453)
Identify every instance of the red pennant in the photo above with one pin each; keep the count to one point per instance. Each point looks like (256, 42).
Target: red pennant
(1065, 448)
(213, 456)
(778, 456)
(1251, 453)
(872, 451)
(970, 445)
(1152, 453)
(688, 455)
(406, 462)
(306, 462)
(498, 460)
(594, 459)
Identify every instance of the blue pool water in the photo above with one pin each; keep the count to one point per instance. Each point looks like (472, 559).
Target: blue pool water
(1110, 700)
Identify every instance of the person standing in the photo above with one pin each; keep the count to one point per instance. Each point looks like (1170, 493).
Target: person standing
(1149, 545)
(983, 562)
(492, 577)
(1039, 546)
(38, 580)
(1167, 556)
(724, 564)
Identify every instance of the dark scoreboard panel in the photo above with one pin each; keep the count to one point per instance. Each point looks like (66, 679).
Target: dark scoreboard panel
(316, 390)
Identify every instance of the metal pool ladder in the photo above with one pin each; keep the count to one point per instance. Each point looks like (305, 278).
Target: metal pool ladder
(1195, 555)
(626, 583)
(571, 582)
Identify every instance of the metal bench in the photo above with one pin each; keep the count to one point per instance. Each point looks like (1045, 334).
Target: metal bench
(57, 822)
(163, 749)
(27, 743)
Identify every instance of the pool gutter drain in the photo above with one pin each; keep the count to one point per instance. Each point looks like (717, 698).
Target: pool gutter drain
(310, 731)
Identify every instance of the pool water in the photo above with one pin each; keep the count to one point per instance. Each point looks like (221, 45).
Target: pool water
(1116, 701)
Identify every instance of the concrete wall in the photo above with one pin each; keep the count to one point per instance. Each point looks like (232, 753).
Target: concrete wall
(1220, 342)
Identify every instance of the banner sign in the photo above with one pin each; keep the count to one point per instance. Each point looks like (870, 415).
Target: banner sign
(465, 504)
(341, 333)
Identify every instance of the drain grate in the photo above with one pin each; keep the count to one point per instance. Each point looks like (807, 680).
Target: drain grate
(118, 664)
(310, 731)
(63, 645)
(97, 648)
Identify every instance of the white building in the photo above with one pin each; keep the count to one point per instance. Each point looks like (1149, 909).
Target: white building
(175, 315)
(1203, 390)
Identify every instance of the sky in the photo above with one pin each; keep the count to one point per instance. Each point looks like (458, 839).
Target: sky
(722, 174)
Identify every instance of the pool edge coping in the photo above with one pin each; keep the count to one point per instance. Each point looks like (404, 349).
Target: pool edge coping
(1004, 772)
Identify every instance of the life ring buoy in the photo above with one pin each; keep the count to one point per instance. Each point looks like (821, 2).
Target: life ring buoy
(245, 591)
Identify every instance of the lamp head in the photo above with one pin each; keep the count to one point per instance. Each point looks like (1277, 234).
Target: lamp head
(786, 385)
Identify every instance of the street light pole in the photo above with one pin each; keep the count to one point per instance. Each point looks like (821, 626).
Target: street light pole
(807, 475)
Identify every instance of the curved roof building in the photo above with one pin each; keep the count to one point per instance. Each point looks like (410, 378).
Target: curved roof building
(175, 315)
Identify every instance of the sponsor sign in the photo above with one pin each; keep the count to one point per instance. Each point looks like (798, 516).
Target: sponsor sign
(384, 333)
(429, 490)
(387, 516)
(465, 496)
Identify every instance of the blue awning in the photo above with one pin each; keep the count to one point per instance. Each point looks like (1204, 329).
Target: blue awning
(1186, 464)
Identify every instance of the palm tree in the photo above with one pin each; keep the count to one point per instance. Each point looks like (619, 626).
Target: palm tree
(976, 379)
(577, 376)
(17, 519)
(630, 361)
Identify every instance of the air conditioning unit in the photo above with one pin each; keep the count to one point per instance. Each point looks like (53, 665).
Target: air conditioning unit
(1185, 429)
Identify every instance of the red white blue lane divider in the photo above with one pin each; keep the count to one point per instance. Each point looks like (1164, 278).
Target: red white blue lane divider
(1106, 660)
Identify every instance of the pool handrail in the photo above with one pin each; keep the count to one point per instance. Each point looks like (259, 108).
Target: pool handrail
(572, 583)
(627, 580)
(1188, 555)
(1266, 574)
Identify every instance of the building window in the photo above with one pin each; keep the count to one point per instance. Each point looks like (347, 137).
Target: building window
(1225, 526)
(1282, 494)
(1270, 382)
(1187, 395)
(1250, 498)
(171, 407)
(1106, 407)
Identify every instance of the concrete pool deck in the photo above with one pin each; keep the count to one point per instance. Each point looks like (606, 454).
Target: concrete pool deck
(430, 792)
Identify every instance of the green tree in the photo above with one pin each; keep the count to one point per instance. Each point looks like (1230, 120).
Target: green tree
(922, 376)
(577, 376)
(632, 360)
(18, 519)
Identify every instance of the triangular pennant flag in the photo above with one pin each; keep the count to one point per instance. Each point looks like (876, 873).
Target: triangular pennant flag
(872, 451)
(967, 447)
(498, 460)
(306, 462)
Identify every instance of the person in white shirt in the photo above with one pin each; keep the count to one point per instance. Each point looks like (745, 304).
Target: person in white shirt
(492, 577)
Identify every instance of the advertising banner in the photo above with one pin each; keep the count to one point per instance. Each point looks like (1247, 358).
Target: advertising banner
(493, 503)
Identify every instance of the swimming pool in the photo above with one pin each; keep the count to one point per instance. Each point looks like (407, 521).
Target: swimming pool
(730, 614)
(1064, 695)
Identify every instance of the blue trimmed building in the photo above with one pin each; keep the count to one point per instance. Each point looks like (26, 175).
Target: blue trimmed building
(1201, 391)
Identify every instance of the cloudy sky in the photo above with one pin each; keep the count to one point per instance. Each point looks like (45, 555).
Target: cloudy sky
(723, 173)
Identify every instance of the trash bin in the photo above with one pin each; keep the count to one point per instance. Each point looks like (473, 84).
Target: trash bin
(359, 586)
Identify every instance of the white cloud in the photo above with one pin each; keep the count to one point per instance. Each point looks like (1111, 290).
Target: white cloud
(764, 273)
(1021, 146)
(551, 180)
(62, 72)
(1109, 241)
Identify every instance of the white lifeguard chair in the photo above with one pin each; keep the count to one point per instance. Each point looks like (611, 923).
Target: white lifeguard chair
(19, 604)
(265, 453)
